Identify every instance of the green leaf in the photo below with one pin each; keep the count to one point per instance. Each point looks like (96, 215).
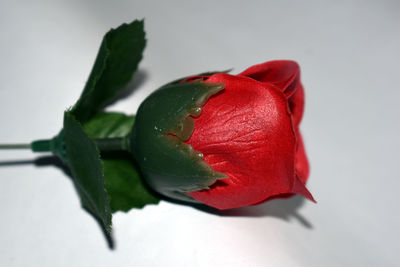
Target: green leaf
(109, 124)
(84, 161)
(125, 186)
(117, 60)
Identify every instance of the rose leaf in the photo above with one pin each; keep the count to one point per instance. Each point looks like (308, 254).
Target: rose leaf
(84, 162)
(117, 60)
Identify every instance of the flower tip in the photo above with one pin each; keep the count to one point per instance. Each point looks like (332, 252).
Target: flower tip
(300, 188)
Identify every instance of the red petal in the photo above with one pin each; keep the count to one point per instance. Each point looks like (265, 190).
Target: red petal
(285, 75)
(281, 73)
(300, 188)
(302, 166)
(246, 132)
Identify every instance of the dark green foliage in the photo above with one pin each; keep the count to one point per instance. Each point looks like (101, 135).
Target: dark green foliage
(117, 60)
(124, 184)
(84, 161)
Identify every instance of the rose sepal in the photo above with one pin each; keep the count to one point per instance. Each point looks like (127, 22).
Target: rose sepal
(164, 121)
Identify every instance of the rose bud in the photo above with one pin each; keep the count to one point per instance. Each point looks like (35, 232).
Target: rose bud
(225, 140)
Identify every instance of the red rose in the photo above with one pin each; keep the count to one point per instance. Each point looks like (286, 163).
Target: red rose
(223, 140)
(250, 132)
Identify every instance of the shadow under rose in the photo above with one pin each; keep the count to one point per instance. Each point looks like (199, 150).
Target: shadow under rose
(285, 209)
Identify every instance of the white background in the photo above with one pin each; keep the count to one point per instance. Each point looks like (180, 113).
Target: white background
(349, 52)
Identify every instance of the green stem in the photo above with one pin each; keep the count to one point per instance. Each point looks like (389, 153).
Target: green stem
(42, 145)
(15, 146)
(49, 145)
(111, 144)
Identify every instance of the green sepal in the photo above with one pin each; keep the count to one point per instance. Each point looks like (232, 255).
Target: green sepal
(163, 122)
(125, 186)
(83, 159)
(118, 57)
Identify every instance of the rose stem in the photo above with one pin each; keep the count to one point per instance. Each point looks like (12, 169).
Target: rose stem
(111, 144)
(103, 144)
(15, 146)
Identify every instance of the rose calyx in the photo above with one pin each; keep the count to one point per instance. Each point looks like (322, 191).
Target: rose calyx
(164, 122)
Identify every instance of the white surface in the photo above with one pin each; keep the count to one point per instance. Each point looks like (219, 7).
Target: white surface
(349, 54)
